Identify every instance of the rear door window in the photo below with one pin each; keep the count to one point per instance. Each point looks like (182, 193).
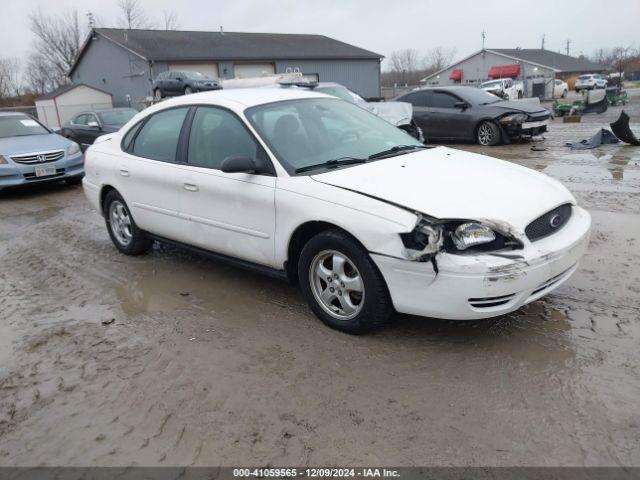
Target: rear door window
(158, 138)
(418, 99)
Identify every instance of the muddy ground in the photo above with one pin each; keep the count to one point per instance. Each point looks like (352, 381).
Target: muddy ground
(201, 363)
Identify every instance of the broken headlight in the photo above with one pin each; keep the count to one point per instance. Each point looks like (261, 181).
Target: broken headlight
(471, 234)
(514, 118)
(455, 236)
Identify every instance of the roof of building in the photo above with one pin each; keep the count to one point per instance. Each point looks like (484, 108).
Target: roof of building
(537, 56)
(61, 90)
(555, 60)
(178, 45)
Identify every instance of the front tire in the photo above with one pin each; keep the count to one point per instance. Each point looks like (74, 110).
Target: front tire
(124, 232)
(157, 95)
(488, 134)
(342, 285)
(188, 90)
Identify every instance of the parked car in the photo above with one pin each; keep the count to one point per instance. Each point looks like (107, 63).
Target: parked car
(31, 153)
(505, 88)
(317, 190)
(560, 88)
(471, 114)
(590, 81)
(396, 113)
(85, 127)
(173, 83)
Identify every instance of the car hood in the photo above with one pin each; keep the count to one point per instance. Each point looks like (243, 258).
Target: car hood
(32, 144)
(518, 105)
(452, 184)
(396, 113)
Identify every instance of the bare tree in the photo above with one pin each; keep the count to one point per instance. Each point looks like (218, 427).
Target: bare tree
(621, 58)
(10, 80)
(170, 20)
(56, 46)
(132, 15)
(438, 58)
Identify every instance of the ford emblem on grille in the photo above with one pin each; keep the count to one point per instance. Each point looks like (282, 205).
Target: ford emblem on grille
(555, 220)
(41, 158)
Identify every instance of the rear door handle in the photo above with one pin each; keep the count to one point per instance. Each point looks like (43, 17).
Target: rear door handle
(191, 187)
(124, 172)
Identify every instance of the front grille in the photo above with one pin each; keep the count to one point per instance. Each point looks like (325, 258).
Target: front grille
(488, 302)
(548, 223)
(41, 157)
(32, 176)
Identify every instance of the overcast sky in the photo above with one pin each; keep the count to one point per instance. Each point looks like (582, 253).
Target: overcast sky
(378, 25)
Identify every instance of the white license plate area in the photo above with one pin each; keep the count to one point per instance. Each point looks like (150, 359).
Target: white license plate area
(45, 170)
(541, 123)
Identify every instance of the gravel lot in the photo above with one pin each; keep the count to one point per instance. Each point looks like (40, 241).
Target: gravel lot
(205, 364)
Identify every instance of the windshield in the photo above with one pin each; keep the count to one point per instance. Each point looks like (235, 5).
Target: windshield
(195, 75)
(476, 96)
(117, 117)
(312, 131)
(340, 92)
(20, 126)
(494, 83)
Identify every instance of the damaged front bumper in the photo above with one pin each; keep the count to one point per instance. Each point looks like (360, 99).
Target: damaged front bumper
(483, 285)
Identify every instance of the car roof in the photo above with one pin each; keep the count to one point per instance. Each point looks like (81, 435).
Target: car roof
(247, 97)
(448, 88)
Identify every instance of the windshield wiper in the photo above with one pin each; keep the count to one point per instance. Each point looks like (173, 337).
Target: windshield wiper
(332, 164)
(395, 150)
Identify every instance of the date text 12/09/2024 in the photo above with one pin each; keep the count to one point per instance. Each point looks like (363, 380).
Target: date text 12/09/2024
(315, 472)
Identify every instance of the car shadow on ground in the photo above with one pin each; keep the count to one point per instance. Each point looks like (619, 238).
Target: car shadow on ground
(36, 190)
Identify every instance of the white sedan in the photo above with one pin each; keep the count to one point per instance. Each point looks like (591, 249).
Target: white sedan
(317, 190)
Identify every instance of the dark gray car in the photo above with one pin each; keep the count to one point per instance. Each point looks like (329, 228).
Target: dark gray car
(182, 83)
(470, 114)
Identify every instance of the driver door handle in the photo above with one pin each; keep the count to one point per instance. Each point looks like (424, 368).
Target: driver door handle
(191, 187)
(124, 172)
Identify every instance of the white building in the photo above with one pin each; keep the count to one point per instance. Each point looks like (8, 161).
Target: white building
(58, 107)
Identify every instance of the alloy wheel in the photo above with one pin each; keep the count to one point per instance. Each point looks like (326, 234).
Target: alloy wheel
(336, 284)
(485, 134)
(120, 222)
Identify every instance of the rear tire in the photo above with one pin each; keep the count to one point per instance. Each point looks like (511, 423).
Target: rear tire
(564, 94)
(124, 233)
(488, 134)
(342, 285)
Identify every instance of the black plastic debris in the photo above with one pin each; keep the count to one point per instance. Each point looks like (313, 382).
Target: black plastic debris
(603, 137)
(621, 129)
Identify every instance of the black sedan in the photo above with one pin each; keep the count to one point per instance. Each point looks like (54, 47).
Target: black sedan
(85, 127)
(470, 114)
(174, 83)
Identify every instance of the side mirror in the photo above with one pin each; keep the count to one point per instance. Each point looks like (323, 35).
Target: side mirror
(238, 164)
(461, 105)
(179, 79)
(94, 125)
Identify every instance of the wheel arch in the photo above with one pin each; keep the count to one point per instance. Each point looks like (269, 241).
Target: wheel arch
(104, 191)
(299, 238)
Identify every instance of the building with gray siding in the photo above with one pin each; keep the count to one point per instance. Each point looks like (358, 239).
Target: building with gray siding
(125, 62)
(537, 69)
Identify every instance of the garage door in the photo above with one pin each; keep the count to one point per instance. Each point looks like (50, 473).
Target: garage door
(250, 70)
(210, 69)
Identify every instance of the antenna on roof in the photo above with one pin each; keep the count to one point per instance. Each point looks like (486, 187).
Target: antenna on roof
(543, 41)
(483, 37)
(221, 30)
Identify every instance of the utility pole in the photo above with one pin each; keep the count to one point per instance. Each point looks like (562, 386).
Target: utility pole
(568, 44)
(483, 36)
(542, 41)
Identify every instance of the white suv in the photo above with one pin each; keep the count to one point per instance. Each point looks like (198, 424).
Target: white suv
(317, 190)
(590, 81)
